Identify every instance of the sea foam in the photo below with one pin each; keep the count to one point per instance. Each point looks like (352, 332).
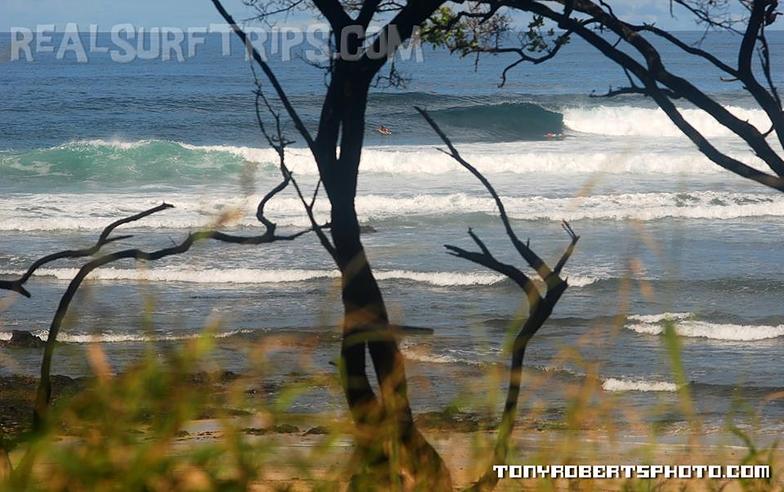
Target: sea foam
(613, 384)
(251, 276)
(653, 122)
(80, 338)
(54, 212)
(686, 326)
(567, 158)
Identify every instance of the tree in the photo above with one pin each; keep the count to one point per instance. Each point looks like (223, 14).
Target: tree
(540, 304)
(366, 322)
(628, 45)
(337, 149)
(476, 28)
(384, 423)
(389, 445)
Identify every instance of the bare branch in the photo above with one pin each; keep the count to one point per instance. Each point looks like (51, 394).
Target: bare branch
(43, 394)
(103, 240)
(764, 55)
(298, 123)
(703, 11)
(569, 250)
(523, 56)
(267, 9)
(539, 307)
(634, 89)
(693, 50)
(525, 251)
(318, 229)
(487, 260)
(279, 143)
(334, 13)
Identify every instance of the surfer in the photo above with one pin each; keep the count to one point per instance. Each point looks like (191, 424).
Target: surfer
(554, 136)
(384, 130)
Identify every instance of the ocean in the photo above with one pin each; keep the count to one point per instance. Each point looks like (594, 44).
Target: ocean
(666, 235)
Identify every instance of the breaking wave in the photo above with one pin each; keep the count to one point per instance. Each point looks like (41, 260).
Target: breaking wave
(423, 353)
(514, 133)
(61, 212)
(687, 326)
(653, 122)
(659, 318)
(613, 384)
(123, 337)
(566, 158)
(508, 121)
(166, 162)
(251, 276)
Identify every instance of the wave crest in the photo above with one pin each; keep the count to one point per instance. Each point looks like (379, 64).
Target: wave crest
(56, 212)
(166, 162)
(686, 326)
(614, 385)
(251, 276)
(653, 122)
(123, 337)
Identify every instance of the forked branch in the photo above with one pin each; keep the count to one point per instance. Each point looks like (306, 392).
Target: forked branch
(569, 250)
(540, 303)
(533, 260)
(487, 260)
(44, 387)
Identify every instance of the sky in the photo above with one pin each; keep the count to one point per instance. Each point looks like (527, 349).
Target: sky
(199, 13)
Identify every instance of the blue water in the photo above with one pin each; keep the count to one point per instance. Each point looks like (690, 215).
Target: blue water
(664, 230)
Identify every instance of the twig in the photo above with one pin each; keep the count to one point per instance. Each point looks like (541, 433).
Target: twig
(268, 72)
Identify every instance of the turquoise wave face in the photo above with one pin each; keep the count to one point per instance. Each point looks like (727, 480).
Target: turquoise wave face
(110, 163)
(501, 122)
(169, 162)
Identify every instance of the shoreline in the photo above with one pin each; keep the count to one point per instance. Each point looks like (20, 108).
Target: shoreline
(304, 459)
(17, 393)
(301, 448)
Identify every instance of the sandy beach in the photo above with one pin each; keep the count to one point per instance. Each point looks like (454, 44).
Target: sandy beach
(312, 451)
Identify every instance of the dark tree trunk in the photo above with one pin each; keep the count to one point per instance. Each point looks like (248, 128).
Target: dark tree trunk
(366, 323)
(385, 425)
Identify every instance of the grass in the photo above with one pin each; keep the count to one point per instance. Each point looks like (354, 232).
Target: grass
(140, 430)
